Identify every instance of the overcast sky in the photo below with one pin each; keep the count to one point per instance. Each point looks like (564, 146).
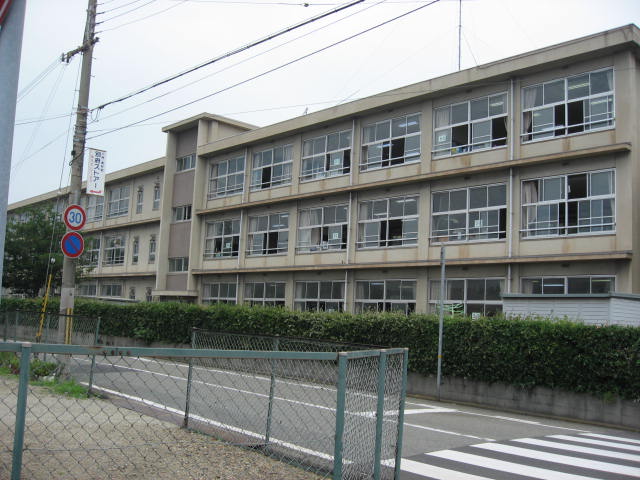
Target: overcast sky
(144, 41)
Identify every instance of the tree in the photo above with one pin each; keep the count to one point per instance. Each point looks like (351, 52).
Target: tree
(32, 239)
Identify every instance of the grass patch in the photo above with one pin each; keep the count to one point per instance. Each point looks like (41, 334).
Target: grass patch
(70, 388)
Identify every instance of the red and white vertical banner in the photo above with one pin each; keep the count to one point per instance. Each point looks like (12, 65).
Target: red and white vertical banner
(4, 9)
(96, 171)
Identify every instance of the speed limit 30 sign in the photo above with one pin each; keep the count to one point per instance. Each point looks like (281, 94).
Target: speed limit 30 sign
(75, 217)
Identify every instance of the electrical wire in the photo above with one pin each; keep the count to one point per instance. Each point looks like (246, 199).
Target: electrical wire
(117, 8)
(240, 62)
(125, 13)
(28, 121)
(141, 19)
(231, 53)
(281, 66)
(39, 78)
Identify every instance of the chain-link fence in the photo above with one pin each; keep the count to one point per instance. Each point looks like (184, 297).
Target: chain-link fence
(177, 413)
(42, 327)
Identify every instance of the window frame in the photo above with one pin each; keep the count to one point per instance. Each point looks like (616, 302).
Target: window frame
(320, 150)
(469, 214)
(181, 213)
(450, 149)
(178, 264)
(407, 239)
(139, 199)
(325, 229)
(259, 167)
(114, 252)
(434, 300)
(385, 303)
(318, 303)
(564, 128)
(564, 210)
(211, 299)
(215, 178)
(186, 162)
(566, 280)
(153, 247)
(271, 233)
(250, 290)
(135, 250)
(112, 290)
(95, 204)
(386, 142)
(92, 250)
(211, 239)
(118, 206)
(156, 197)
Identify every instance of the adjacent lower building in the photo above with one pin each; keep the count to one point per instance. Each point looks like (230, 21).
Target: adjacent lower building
(523, 170)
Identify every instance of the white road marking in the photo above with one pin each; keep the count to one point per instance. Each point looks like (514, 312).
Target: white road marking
(561, 459)
(577, 448)
(616, 439)
(436, 472)
(597, 442)
(422, 427)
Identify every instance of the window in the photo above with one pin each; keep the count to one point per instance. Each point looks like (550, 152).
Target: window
(186, 163)
(474, 125)
(87, 290)
(569, 105)
(222, 239)
(118, 201)
(92, 251)
(219, 293)
(569, 204)
(95, 207)
(152, 249)
(388, 222)
(132, 293)
(386, 296)
(326, 156)
(181, 214)
(156, 196)
(226, 177)
(111, 290)
(268, 234)
(114, 250)
(323, 228)
(476, 213)
(320, 296)
(391, 142)
(148, 297)
(272, 167)
(135, 250)
(468, 296)
(139, 199)
(178, 264)
(264, 293)
(586, 284)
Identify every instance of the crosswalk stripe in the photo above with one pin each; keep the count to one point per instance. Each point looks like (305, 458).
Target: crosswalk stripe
(436, 472)
(609, 437)
(579, 449)
(597, 442)
(562, 459)
(510, 467)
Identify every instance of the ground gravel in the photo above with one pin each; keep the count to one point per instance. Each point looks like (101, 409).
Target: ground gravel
(86, 439)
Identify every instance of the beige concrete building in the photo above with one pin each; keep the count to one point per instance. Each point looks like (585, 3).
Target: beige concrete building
(523, 169)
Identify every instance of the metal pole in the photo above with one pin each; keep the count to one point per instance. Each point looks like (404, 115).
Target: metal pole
(340, 408)
(403, 395)
(272, 389)
(185, 421)
(10, 51)
(93, 358)
(443, 289)
(77, 158)
(21, 411)
(382, 376)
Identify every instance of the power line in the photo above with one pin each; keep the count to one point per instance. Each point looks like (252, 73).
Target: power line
(141, 19)
(39, 78)
(291, 62)
(116, 8)
(231, 53)
(126, 13)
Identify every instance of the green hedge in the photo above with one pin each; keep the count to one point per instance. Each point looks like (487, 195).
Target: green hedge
(526, 353)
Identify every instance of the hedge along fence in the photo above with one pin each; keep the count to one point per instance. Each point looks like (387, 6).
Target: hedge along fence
(526, 353)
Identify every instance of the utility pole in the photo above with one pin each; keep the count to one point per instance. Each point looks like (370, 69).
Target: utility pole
(67, 294)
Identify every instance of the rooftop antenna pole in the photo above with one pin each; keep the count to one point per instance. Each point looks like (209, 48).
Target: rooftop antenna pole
(67, 293)
(459, 34)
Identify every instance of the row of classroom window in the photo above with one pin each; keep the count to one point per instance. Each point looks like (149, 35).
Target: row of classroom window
(566, 106)
(552, 206)
(465, 296)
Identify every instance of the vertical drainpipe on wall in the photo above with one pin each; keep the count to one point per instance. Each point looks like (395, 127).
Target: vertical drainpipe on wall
(512, 139)
(237, 286)
(349, 229)
(240, 234)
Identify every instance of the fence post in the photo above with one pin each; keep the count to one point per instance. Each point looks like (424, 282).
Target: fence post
(403, 394)
(21, 411)
(382, 376)
(272, 387)
(15, 330)
(5, 315)
(185, 421)
(340, 407)
(93, 358)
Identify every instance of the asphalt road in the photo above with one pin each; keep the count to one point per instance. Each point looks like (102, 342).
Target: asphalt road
(441, 440)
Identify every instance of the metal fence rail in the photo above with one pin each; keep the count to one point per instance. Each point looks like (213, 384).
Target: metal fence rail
(41, 327)
(160, 413)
